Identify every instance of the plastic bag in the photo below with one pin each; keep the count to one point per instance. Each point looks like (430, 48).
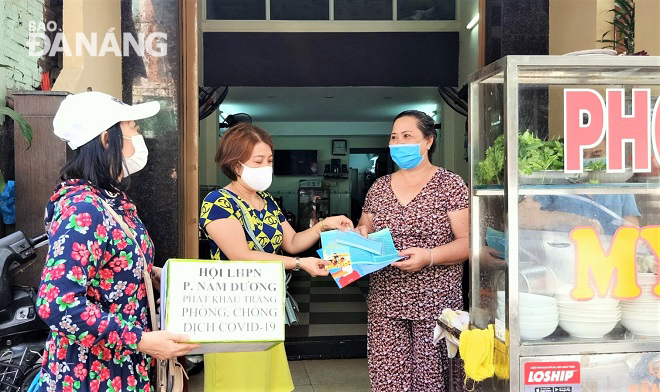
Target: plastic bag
(8, 203)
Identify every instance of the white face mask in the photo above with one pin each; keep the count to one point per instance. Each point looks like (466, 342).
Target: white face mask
(138, 160)
(257, 178)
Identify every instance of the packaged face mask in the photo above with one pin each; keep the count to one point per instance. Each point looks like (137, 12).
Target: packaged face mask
(352, 238)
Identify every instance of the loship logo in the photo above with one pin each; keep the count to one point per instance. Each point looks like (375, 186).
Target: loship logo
(557, 376)
(563, 374)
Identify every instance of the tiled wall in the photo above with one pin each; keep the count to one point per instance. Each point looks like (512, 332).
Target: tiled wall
(15, 18)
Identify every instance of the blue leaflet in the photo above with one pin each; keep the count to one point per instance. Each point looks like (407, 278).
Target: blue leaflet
(354, 239)
(383, 237)
(360, 262)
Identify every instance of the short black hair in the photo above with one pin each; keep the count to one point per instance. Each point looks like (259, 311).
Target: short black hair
(425, 124)
(94, 163)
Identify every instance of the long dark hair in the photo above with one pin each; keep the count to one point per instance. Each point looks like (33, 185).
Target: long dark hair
(425, 124)
(94, 163)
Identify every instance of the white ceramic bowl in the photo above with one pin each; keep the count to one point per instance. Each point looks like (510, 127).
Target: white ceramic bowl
(546, 318)
(641, 315)
(646, 296)
(530, 300)
(642, 306)
(651, 311)
(583, 315)
(541, 310)
(647, 279)
(595, 307)
(641, 326)
(587, 329)
(565, 297)
(536, 331)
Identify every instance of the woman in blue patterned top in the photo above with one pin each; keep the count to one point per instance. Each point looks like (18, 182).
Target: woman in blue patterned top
(245, 156)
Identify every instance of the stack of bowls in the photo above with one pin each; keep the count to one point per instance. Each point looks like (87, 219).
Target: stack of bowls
(538, 314)
(641, 316)
(591, 319)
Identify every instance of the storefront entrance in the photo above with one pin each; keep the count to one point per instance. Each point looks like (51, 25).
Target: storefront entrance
(327, 90)
(340, 134)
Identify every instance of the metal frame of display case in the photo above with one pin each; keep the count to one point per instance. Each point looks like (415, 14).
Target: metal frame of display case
(506, 72)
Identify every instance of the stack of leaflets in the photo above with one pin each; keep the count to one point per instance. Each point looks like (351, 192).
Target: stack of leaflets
(352, 256)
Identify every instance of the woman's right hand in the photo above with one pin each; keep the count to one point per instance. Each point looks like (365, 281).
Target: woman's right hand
(165, 344)
(363, 231)
(314, 266)
(591, 222)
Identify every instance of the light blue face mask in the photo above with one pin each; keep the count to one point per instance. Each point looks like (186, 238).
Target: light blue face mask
(406, 156)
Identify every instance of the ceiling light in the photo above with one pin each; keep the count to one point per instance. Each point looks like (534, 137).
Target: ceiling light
(473, 22)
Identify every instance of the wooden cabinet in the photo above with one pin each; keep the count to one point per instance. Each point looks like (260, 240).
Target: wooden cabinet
(37, 169)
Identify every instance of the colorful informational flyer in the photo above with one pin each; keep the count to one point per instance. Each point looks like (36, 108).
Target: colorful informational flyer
(352, 256)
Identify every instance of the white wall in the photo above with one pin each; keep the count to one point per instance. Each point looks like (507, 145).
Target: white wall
(452, 138)
(468, 60)
(290, 136)
(295, 135)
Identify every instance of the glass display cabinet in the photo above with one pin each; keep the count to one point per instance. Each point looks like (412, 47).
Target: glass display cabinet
(565, 199)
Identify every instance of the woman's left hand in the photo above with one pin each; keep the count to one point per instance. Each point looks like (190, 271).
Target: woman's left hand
(418, 258)
(339, 222)
(155, 277)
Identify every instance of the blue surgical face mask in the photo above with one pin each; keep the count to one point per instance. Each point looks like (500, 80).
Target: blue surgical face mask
(406, 156)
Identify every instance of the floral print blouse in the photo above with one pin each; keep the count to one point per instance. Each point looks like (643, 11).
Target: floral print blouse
(92, 295)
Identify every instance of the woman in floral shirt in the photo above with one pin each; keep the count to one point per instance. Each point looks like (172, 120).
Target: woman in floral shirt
(92, 294)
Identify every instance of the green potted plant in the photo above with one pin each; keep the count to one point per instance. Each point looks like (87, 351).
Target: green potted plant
(26, 129)
(622, 34)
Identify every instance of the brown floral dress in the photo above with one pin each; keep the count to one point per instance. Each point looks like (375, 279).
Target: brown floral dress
(403, 306)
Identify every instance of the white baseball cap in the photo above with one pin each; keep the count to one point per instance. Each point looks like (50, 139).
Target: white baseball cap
(82, 117)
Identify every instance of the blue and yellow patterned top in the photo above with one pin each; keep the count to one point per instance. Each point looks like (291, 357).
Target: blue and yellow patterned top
(267, 223)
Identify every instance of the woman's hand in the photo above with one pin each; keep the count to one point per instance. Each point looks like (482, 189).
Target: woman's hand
(314, 266)
(418, 258)
(339, 222)
(165, 344)
(584, 221)
(155, 277)
(491, 258)
(363, 231)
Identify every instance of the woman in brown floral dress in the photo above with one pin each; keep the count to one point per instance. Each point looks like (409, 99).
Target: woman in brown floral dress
(426, 209)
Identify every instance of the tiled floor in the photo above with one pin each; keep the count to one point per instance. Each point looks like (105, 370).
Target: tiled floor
(333, 375)
(325, 309)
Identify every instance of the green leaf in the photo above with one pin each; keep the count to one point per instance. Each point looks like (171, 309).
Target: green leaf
(23, 125)
(624, 29)
(623, 16)
(2, 182)
(625, 5)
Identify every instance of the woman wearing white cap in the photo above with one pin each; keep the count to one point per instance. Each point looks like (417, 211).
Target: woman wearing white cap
(92, 293)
